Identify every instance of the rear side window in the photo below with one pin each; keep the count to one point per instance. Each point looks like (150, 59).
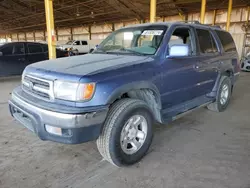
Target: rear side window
(7, 50)
(84, 42)
(226, 41)
(206, 42)
(45, 48)
(18, 49)
(35, 48)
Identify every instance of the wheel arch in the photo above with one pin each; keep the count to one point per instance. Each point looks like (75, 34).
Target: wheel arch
(227, 72)
(142, 90)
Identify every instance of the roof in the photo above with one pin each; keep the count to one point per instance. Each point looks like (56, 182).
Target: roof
(29, 15)
(196, 24)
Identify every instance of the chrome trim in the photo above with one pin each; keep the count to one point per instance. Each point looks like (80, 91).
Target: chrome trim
(61, 120)
(49, 92)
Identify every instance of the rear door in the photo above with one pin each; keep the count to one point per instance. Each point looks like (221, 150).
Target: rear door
(35, 53)
(230, 55)
(85, 46)
(208, 63)
(13, 55)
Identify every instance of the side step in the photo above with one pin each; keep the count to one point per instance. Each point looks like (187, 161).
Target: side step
(189, 111)
(180, 110)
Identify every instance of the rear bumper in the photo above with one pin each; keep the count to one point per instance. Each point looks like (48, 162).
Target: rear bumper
(76, 128)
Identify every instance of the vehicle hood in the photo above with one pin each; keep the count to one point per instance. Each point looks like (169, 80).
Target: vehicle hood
(88, 64)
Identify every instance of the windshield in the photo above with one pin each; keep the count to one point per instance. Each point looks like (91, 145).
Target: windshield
(135, 40)
(70, 42)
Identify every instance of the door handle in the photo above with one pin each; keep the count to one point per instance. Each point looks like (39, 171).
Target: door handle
(196, 66)
(21, 59)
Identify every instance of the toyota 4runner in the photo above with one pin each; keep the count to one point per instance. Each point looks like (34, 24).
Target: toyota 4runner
(137, 76)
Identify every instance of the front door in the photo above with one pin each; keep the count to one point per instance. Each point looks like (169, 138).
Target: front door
(179, 75)
(13, 55)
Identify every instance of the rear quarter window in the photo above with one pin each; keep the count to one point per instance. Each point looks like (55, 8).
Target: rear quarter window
(35, 48)
(226, 41)
(84, 42)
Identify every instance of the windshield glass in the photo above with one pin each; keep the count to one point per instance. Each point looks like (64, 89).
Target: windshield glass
(70, 42)
(135, 40)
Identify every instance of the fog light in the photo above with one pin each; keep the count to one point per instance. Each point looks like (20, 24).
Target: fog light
(53, 130)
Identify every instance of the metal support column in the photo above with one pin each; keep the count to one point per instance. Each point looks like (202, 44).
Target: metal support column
(34, 36)
(214, 17)
(152, 11)
(203, 10)
(25, 36)
(50, 28)
(229, 12)
(248, 14)
(57, 37)
(71, 33)
(90, 37)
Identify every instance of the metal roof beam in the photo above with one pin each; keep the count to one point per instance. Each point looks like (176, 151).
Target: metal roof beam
(123, 8)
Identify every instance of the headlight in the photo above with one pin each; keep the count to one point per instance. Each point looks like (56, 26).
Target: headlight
(73, 91)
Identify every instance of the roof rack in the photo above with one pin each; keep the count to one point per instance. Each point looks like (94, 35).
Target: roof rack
(192, 22)
(217, 26)
(197, 22)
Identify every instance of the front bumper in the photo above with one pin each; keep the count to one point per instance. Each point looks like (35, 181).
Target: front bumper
(76, 127)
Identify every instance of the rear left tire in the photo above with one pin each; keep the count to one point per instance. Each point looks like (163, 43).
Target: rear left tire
(223, 95)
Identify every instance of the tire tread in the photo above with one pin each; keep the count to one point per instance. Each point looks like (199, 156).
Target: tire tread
(103, 140)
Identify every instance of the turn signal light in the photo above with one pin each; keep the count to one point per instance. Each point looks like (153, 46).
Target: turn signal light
(89, 90)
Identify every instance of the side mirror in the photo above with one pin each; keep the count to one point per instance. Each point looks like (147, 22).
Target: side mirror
(1, 53)
(179, 50)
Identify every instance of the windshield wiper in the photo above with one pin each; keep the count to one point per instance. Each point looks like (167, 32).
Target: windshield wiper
(99, 50)
(129, 51)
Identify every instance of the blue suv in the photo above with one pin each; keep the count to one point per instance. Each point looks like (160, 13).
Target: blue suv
(137, 76)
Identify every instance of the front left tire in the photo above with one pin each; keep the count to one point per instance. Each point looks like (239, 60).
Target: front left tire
(127, 133)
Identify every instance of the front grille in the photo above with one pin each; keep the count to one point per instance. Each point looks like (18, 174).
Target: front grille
(38, 87)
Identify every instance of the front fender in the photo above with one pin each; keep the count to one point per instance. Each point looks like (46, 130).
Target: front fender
(118, 92)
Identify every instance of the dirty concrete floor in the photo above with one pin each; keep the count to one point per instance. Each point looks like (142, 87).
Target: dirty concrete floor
(202, 149)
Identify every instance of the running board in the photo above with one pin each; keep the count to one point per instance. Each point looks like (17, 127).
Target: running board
(189, 111)
(180, 110)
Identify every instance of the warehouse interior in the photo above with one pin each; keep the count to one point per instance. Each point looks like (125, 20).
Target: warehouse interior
(201, 149)
(96, 19)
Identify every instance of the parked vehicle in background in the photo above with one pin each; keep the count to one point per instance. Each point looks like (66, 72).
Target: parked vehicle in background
(15, 56)
(137, 76)
(245, 63)
(78, 46)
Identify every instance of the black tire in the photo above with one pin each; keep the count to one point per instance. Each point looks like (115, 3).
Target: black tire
(217, 106)
(108, 142)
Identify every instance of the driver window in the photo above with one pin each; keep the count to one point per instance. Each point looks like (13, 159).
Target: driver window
(181, 36)
(77, 42)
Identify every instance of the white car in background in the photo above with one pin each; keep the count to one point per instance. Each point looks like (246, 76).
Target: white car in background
(78, 46)
(245, 63)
